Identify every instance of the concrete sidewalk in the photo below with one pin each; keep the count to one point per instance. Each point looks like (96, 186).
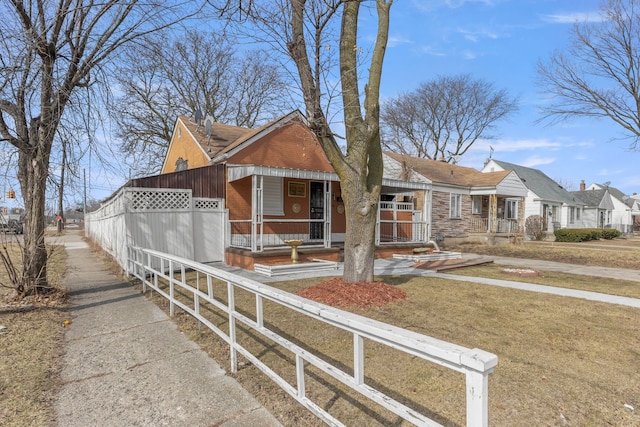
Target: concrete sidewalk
(126, 364)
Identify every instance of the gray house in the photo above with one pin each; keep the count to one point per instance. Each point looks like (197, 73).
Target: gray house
(597, 207)
(622, 214)
(545, 197)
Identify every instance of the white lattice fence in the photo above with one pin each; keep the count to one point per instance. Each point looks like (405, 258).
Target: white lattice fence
(151, 199)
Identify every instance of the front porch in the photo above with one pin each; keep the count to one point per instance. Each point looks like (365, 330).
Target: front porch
(302, 205)
(246, 259)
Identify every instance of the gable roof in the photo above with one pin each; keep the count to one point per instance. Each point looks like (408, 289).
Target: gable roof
(540, 184)
(446, 173)
(594, 198)
(613, 191)
(255, 134)
(222, 135)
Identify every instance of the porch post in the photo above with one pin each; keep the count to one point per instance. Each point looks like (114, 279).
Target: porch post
(426, 215)
(327, 214)
(257, 184)
(493, 213)
(378, 225)
(395, 219)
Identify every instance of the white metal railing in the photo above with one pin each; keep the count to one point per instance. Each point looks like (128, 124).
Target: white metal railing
(272, 233)
(154, 268)
(397, 206)
(396, 231)
(484, 225)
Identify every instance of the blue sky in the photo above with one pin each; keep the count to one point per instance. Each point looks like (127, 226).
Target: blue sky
(501, 41)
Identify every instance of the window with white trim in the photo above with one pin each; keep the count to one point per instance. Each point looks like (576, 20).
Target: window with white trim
(272, 195)
(572, 214)
(455, 206)
(511, 209)
(476, 205)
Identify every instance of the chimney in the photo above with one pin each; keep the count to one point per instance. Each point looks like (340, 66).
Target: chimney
(582, 185)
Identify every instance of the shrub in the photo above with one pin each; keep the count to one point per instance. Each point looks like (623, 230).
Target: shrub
(611, 233)
(534, 227)
(585, 234)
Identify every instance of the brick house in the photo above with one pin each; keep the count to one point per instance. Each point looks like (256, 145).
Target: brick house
(465, 203)
(277, 184)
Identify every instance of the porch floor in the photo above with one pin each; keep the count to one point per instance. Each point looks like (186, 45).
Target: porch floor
(246, 259)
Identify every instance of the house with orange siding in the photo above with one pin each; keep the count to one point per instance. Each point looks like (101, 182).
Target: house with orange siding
(278, 185)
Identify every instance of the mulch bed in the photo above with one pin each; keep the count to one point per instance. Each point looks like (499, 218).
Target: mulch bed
(338, 293)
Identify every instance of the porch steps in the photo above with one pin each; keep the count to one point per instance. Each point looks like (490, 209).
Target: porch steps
(303, 267)
(444, 265)
(433, 256)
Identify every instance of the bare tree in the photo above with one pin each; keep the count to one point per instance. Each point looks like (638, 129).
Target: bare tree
(198, 71)
(599, 75)
(444, 117)
(48, 50)
(305, 31)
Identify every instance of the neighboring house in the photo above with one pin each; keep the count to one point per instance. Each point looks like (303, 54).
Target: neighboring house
(634, 204)
(465, 202)
(545, 197)
(622, 212)
(277, 185)
(597, 207)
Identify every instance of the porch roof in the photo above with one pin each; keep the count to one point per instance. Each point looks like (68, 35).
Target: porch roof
(236, 172)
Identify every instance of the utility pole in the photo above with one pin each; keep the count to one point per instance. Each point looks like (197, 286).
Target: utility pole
(84, 202)
(61, 193)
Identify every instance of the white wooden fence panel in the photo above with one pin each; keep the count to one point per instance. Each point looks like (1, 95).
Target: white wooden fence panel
(209, 235)
(166, 220)
(172, 231)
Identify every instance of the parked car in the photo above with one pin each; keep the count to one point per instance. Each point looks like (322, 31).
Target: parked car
(15, 226)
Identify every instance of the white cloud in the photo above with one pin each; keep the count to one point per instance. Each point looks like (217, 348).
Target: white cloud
(572, 18)
(609, 172)
(459, 3)
(430, 50)
(396, 40)
(475, 36)
(537, 161)
(469, 54)
(429, 6)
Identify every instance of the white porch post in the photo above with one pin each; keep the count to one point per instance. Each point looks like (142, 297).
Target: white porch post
(395, 220)
(378, 225)
(426, 208)
(327, 214)
(257, 209)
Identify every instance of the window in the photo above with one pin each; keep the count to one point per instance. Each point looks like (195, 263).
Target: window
(572, 214)
(578, 210)
(476, 205)
(511, 209)
(272, 196)
(455, 207)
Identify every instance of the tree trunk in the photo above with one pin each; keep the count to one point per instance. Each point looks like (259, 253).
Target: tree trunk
(32, 174)
(361, 169)
(359, 245)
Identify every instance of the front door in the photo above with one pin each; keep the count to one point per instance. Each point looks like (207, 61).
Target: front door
(316, 210)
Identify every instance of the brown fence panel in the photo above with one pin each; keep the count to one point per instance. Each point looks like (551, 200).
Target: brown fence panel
(207, 181)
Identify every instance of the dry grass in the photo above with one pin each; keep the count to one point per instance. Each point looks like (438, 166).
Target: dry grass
(603, 253)
(30, 354)
(618, 287)
(560, 359)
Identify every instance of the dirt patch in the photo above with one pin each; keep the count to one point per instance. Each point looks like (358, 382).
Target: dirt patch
(338, 293)
(524, 272)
